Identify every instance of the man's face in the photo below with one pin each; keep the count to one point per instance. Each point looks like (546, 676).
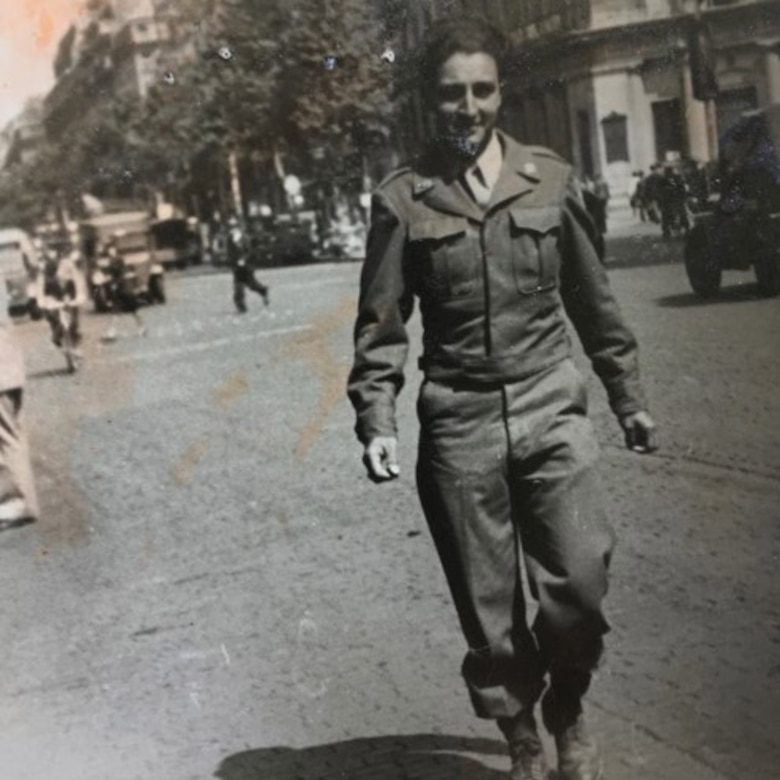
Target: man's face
(467, 99)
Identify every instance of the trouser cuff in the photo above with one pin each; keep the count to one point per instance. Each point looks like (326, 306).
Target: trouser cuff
(562, 703)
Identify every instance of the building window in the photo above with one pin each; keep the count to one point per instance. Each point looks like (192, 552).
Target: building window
(615, 137)
(583, 134)
(669, 127)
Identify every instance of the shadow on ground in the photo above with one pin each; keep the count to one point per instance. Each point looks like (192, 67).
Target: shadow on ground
(636, 251)
(410, 757)
(739, 293)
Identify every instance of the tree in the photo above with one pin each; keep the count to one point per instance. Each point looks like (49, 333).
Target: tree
(247, 79)
(284, 77)
(332, 80)
(219, 97)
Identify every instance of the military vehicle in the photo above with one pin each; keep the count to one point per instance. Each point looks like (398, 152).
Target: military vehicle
(742, 228)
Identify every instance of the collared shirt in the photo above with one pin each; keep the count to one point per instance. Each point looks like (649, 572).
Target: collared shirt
(481, 177)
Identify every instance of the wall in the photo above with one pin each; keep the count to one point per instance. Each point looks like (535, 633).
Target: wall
(582, 98)
(611, 92)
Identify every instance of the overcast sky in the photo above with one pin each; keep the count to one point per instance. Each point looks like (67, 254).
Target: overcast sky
(29, 33)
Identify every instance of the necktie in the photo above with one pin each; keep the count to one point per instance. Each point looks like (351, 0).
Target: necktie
(478, 186)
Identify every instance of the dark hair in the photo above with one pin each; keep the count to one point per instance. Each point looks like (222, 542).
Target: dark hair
(465, 35)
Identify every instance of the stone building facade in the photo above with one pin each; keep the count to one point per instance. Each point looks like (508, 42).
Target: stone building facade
(21, 139)
(117, 48)
(611, 84)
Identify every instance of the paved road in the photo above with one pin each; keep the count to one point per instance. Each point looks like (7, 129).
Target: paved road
(215, 590)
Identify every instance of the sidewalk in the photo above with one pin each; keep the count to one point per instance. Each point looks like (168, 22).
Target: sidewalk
(633, 243)
(621, 221)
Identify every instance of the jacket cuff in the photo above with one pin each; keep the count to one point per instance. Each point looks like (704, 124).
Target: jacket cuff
(625, 400)
(379, 421)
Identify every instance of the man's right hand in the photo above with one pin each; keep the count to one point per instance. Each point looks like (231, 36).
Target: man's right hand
(380, 458)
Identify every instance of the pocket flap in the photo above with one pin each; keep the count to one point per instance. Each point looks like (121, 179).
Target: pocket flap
(539, 220)
(436, 229)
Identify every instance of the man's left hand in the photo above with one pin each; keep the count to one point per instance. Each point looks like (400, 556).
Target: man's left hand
(639, 430)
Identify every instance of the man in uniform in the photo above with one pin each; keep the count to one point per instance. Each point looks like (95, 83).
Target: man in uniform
(493, 239)
(18, 502)
(243, 274)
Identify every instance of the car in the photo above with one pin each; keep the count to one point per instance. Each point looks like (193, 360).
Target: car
(287, 239)
(18, 264)
(130, 232)
(742, 226)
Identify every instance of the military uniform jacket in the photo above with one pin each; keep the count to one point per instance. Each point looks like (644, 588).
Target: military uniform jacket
(493, 284)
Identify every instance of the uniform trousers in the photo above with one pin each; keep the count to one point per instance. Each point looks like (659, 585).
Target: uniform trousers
(506, 477)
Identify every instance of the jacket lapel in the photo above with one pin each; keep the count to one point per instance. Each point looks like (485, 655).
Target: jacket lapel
(447, 195)
(519, 173)
(438, 185)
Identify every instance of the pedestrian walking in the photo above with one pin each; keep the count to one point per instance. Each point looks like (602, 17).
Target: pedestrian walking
(18, 501)
(60, 281)
(601, 192)
(492, 237)
(636, 195)
(671, 199)
(239, 257)
(652, 193)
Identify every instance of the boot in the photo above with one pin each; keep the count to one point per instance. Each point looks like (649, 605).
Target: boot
(525, 746)
(578, 753)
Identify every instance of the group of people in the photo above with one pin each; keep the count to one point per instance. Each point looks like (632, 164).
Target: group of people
(661, 197)
(60, 281)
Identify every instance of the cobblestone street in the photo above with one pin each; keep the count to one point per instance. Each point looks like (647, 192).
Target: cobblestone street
(216, 590)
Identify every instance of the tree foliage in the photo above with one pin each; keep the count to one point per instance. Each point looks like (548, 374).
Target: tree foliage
(248, 77)
(332, 75)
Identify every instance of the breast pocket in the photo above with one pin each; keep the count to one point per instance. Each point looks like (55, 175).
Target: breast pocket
(534, 238)
(446, 251)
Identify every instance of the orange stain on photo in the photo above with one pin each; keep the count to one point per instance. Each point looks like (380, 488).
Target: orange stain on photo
(30, 31)
(44, 30)
(33, 26)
